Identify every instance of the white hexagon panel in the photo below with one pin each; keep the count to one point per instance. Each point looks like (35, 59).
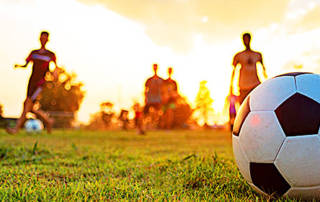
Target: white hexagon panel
(261, 136)
(309, 85)
(269, 95)
(299, 161)
(241, 159)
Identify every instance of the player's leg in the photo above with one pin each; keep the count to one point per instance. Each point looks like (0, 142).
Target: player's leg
(140, 124)
(146, 109)
(139, 119)
(45, 118)
(33, 92)
(156, 114)
(170, 116)
(243, 95)
(162, 122)
(146, 118)
(27, 107)
(231, 120)
(39, 113)
(232, 115)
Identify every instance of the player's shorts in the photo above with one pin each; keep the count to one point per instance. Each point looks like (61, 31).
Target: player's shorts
(244, 93)
(156, 106)
(34, 91)
(232, 111)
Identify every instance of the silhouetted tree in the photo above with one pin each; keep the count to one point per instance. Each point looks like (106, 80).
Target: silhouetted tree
(204, 102)
(62, 98)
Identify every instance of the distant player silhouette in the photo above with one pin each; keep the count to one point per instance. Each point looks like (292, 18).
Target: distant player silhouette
(153, 87)
(248, 78)
(169, 95)
(232, 99)
(138, 118)
(41, 59)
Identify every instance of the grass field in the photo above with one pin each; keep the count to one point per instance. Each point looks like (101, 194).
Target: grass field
(115, 165)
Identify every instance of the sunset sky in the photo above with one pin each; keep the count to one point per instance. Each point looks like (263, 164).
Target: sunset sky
(112, 44)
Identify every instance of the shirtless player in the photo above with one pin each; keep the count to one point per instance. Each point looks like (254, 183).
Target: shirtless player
(248, 59)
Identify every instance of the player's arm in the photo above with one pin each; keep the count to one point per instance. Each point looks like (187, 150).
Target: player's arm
(146, 86)
(146, 89)
(175, 86)
(21, 66)
(263, 67)
(231, 82)
(234, 64)
(29, 58)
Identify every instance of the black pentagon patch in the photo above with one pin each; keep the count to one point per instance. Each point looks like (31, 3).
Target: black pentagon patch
(293, 74)
(299, 115)
(241, 116)
(267, 178)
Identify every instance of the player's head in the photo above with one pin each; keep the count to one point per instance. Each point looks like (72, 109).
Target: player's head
(44, 38)
(155, 68)
(246, 37)
(170, 70)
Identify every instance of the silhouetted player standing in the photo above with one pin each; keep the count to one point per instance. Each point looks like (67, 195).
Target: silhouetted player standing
(41, 59)
(248, 59)
(153, 91)
(170, 95)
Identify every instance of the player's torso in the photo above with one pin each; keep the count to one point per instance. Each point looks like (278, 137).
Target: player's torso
(167, 90)
(41, 60)
(171, 86)
(154, 86)
(248, 72)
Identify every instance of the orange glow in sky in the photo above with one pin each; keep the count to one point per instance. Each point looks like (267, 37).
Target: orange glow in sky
(112, 48)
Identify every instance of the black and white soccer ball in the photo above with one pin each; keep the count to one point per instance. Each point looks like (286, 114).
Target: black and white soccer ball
(276, 136)
(33, 126)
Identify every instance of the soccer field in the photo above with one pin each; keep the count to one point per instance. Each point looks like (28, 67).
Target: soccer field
(115, 165)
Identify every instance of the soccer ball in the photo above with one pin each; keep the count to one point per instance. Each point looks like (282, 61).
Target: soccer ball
(276, 136)
(33, 126)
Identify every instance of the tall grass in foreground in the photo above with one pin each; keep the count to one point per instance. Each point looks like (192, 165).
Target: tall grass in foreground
(115, 165)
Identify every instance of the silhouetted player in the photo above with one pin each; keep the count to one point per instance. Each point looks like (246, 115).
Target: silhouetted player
(153, 91)
(248, 59)
(41, 59)
(169, 100)
(232, 99)
(138, 118)
(171, 84)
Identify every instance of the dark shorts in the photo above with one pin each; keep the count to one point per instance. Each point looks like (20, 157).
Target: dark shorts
(156, 106)
(232, 111)
(34, 91)
(244, 94)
